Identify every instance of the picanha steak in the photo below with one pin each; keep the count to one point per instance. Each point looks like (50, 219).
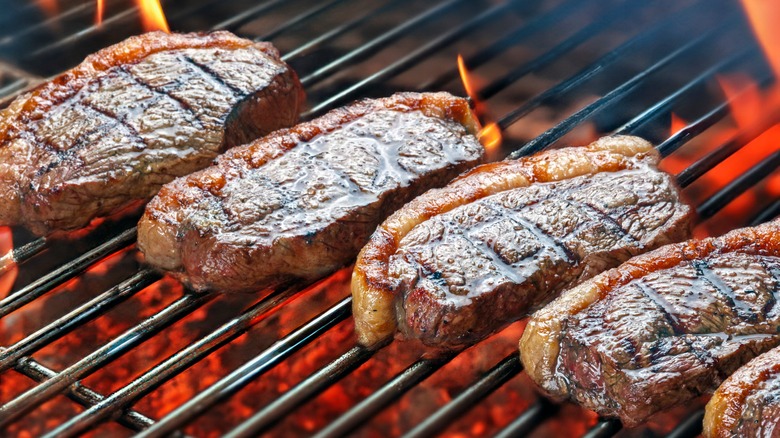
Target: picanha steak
(131, 118)
(301, 202)
(747, 403)
(459, 263)
(661, 329)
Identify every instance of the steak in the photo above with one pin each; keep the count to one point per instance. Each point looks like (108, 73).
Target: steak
(459, 263)
(661, 329)
(747, 403)
(301, 202)
(131, 118)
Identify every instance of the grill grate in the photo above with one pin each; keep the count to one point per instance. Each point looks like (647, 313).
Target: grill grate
(329, 91)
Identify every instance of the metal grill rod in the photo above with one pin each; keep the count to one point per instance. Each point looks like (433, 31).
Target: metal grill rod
(82, 9)
(714, 204)
(528, 420)
(252, 369)
(580, 37)
(65, 272)
(720, 154)
(126, 16)
(598, 66)
(340, 30)
(501, 373)
(74, 319)
(305, 390)
(108, 352)
(387, 394)
(536, 24)
(767, 214)
(663, 106)
(369, 48)
(81, 394)
(245, 17)
(555, 133)
(410, 60)
(172, 366)
(300, 19)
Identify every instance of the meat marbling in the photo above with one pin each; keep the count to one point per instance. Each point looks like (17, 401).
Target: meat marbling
(663, 328)
(131, 118)
(301, 202)
(458, 263)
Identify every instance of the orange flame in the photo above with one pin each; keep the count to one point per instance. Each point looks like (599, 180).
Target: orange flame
(763, 16)
(99, 13)
(152, 16)
(9, 269)
(490, 135)
(468, 81)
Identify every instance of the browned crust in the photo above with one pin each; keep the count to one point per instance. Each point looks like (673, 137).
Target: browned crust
(163, 214)
(724, 410)
(34, 105)
(372, 292)
(540, 344)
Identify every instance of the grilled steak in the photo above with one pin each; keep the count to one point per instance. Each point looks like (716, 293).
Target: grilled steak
(301, 202)
(748, 402)
(132, 117)
(662, 328)
(456, 264)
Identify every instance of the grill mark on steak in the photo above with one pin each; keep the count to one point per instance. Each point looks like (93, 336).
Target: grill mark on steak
(603, 215)
(663, 306)
(207, 71)
(739, 307)
(112, 117)
(547, 240)
(299, 203)
(458, 263)
(713, 309)
(130, 118)
(183, 104)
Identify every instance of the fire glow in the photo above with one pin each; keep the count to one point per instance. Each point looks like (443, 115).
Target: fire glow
(490, 134)
(152, 15)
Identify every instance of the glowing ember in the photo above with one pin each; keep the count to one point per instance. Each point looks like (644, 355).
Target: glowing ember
(677, 125)
(152, 16)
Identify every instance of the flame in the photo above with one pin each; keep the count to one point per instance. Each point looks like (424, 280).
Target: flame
(468, 81)
(490, 135)
(763, 16)
(9, 270)
(152, 16)
(99, 13)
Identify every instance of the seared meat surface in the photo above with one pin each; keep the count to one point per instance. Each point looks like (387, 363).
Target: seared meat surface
(131, 118)
(301, 202)
(459, 263)
(748, 402)
(661, 329)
